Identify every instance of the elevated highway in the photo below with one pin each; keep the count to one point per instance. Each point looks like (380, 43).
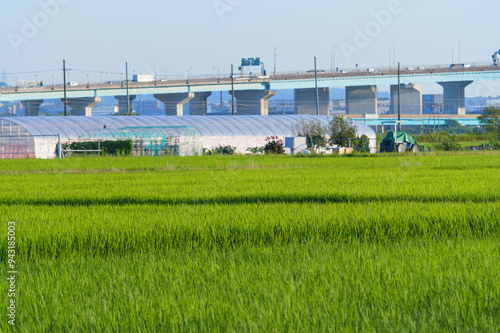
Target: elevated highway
(361, 89)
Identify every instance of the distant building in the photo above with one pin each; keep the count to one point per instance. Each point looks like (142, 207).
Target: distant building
(149, 107)
(475, 105)
(432, 104)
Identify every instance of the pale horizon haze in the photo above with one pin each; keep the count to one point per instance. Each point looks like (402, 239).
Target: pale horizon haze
(203, 37)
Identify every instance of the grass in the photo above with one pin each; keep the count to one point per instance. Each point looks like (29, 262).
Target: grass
(465, 144)
(67, 232)
(409, 286)
(255, 243)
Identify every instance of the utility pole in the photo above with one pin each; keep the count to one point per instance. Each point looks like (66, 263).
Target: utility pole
(128, 96)
(232, 90)
(316, 82)
(399, 97)
(64, 84)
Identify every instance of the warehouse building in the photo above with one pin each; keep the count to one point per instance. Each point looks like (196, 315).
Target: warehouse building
(38, 137)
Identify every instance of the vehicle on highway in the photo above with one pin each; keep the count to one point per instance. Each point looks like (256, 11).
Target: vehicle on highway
(143, 78)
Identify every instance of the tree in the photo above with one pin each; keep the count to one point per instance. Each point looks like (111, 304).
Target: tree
(313, 130)
(490, 118)
(452, 126)
(340, 129)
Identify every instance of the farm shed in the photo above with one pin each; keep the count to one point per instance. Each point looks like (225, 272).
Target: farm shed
(37, 137)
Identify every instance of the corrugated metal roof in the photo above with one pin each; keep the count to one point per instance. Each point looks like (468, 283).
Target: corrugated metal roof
(72, 128)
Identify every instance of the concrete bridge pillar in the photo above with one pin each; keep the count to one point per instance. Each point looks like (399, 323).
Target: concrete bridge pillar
(454, 96)
(174, 103)
(305, 101)
(83, 106)
(122, 103)
(411, 99)
(198, 105)
(253, 102)
(361, 100)
(32, 108)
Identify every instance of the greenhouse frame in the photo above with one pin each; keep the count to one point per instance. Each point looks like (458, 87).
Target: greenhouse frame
(38, 137)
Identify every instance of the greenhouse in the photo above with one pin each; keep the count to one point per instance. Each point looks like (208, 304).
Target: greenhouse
(38, 137)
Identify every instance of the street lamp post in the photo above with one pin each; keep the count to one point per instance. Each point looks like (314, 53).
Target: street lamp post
(274, 61)
(394, 53)
(334, 57)
(459, 51)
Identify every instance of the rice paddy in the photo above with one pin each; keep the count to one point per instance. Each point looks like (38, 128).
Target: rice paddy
(255, 243)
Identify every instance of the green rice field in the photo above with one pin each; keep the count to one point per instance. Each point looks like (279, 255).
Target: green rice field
(395, 243)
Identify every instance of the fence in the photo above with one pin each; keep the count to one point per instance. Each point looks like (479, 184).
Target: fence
(154, 140)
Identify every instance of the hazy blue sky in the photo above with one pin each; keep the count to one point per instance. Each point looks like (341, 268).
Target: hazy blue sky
(203, 34)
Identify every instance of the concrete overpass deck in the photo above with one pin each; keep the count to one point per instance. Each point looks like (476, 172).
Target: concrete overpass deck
(304, 80)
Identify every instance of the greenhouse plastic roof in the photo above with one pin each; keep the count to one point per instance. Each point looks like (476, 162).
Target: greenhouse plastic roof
(72, 128)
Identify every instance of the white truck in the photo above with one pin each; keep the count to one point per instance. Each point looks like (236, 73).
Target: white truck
(143, 78)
